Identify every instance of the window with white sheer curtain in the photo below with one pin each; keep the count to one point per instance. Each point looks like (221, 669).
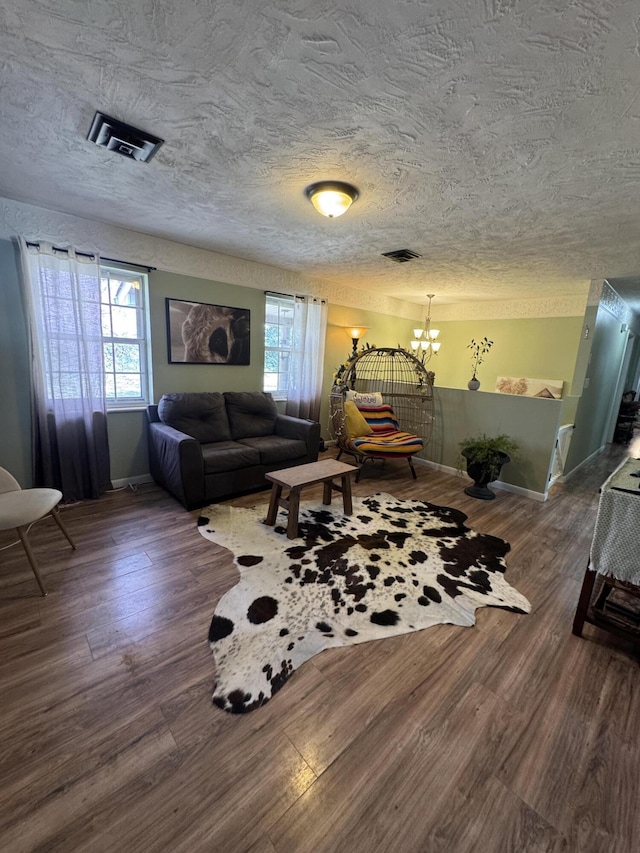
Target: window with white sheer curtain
(295, 332)
(63, 302)
(307, 357)
(278, 342)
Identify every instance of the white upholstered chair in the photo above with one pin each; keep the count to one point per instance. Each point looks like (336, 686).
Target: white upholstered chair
(21, 507)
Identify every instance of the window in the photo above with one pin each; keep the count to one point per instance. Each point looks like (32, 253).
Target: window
(123, 296)
(278, 342)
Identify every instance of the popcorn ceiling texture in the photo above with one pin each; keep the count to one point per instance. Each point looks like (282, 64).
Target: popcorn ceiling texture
(497, 138)
(62, 229)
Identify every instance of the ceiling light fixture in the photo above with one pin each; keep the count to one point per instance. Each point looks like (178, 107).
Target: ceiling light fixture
(331, 198)
(424, 343)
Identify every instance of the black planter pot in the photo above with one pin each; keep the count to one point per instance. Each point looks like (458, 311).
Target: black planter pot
(483, 475)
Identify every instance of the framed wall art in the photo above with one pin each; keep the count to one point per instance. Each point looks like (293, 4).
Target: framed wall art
(551, 389)
(199, 333)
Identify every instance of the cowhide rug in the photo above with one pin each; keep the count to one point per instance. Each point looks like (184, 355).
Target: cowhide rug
(393, 566)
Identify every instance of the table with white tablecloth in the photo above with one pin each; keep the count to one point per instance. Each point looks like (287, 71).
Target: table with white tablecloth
(610, 596)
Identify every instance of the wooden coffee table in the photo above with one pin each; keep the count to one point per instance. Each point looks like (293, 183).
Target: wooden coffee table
(295, 479)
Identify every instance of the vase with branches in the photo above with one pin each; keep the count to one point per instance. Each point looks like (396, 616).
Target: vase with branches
(479, 348)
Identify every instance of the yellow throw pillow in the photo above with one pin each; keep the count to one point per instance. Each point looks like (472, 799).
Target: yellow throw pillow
(354, 421)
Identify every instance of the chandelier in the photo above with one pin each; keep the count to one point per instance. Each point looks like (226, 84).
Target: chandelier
(424, 343)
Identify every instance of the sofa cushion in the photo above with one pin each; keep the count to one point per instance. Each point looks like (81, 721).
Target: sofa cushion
(228, 456)
(201, 415)
(251, 413)
(274, 448)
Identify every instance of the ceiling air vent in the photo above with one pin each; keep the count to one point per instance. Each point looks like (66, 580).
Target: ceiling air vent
(126, 140)
(401, 256)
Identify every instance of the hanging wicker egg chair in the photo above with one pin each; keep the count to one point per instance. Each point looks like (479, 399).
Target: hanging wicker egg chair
(381, 406)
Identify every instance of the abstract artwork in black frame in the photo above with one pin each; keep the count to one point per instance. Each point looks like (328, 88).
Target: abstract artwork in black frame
(198, 333)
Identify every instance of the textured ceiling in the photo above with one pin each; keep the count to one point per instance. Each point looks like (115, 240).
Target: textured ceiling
(499, 139)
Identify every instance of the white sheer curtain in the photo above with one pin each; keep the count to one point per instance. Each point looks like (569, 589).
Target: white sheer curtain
(62, 299)
(307, 357)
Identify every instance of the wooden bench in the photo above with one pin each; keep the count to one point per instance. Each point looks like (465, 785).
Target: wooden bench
(295, 479)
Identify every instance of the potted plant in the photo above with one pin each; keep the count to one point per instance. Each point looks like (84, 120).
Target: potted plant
(478, 349)
(485, 457)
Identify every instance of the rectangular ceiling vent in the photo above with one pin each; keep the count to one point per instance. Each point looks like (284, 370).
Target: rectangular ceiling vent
(401, 256)
(123, 138)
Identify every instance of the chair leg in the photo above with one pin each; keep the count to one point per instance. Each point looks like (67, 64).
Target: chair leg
(22, 533)
(58, 520)
(362, 461)
(413, 470)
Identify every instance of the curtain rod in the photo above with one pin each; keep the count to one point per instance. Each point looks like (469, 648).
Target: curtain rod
(292, 296)
(93, 255)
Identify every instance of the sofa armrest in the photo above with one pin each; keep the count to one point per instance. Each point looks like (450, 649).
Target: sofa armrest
(287, 426)
(175, 460)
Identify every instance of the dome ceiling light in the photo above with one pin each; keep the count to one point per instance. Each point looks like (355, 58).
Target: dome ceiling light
(331, 198)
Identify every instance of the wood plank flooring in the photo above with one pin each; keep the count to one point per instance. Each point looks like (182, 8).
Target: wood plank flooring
(513, 735)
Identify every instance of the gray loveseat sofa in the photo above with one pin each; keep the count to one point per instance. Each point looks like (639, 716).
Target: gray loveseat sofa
(205, 446)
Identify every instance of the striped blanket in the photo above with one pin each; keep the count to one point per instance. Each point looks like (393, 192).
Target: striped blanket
(386, 440)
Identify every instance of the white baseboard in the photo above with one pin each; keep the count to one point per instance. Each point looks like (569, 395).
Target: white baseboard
(563, 478)
(131, 481)
(519, 490)
(497, 484)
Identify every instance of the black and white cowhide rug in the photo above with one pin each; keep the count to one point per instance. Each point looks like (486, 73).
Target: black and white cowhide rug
(392, 567)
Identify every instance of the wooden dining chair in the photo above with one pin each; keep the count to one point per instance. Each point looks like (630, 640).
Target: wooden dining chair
(20, 508)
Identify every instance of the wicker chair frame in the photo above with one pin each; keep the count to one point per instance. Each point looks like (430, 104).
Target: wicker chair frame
(406, 385)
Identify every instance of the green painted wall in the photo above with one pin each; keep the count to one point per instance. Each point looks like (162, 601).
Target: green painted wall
(203, 377)
(584, 349)
(127, 432)
(535, 348)
(532, 422)
(569, 409)
(127, 444)
(383, 331)
(632, 370)
(546, 349)
(459, 413)
(597, 400)
(15, 376)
